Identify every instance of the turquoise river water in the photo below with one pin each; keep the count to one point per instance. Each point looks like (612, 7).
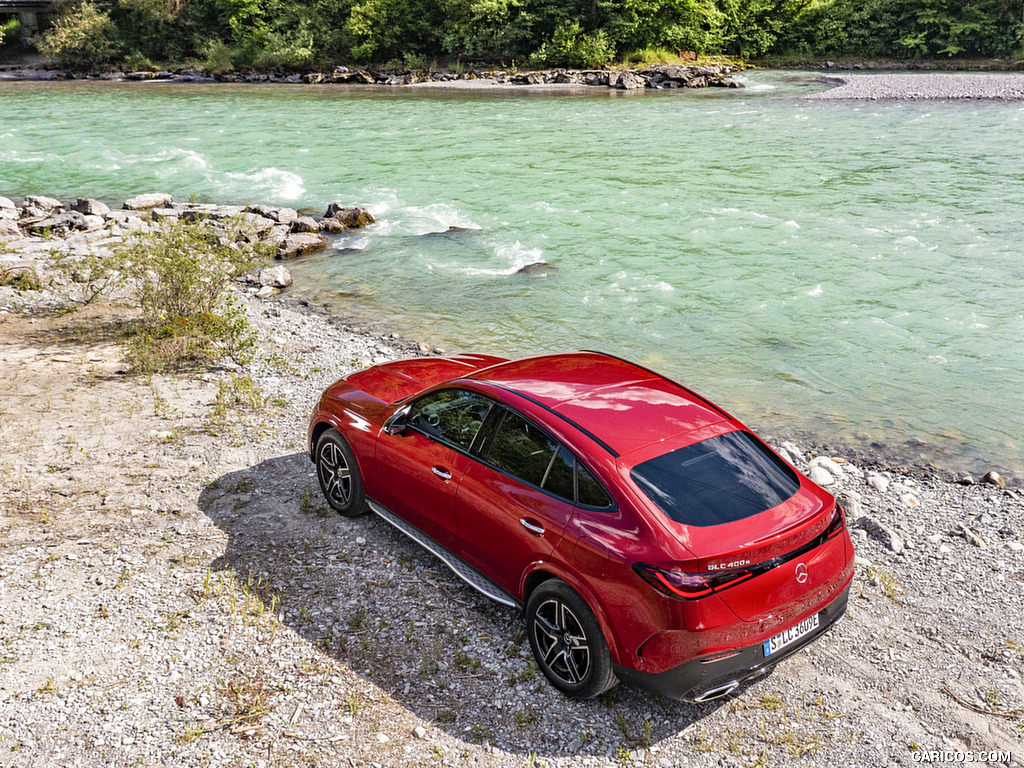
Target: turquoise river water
(848, 272)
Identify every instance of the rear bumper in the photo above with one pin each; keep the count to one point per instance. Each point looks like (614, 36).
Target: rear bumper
(688, 681)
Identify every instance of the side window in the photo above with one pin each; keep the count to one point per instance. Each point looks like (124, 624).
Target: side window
(590, 492)
(452, 416)
(525, 451)
(559, 478)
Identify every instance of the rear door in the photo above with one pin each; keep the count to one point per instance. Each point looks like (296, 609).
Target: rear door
(514, 504)
(419, 469)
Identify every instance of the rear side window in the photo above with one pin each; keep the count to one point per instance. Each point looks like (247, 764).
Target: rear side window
(591, 492)
(452, 416)
(522, 449)
(720, 480)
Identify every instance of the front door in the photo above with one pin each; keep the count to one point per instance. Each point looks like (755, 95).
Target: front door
(419, 470)
(515, 504)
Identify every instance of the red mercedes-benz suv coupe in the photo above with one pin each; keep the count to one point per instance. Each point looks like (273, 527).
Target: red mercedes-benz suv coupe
(648, 535)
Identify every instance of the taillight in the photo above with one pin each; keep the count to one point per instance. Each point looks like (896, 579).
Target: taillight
(683, 585)
(837, 525)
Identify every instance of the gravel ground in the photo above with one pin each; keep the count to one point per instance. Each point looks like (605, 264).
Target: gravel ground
(923, 85)
(174, 592)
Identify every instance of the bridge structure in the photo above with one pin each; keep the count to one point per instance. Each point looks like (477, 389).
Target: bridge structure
(29, 12)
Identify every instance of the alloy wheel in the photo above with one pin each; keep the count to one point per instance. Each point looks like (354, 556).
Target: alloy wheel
(562, 642)
(335, 475)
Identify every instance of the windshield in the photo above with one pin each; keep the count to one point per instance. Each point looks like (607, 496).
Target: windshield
(719, 480)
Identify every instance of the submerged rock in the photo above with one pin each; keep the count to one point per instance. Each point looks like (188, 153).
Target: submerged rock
(451, 231)
(537, 269)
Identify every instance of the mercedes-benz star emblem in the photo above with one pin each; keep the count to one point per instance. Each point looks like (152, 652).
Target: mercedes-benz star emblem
(801, 573)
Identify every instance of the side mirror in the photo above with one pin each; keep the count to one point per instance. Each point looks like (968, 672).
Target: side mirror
(398, 422)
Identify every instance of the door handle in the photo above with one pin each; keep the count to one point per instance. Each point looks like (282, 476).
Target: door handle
(441, 472)
(532, 527)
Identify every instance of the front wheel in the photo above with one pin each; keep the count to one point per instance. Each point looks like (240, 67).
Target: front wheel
(339, 475)
(567, 641)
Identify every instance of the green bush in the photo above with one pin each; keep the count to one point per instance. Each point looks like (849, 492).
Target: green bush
(570, 46)
(10, 30)
(82, 37)
(179, 276)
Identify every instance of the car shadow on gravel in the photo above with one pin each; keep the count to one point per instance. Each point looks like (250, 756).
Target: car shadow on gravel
(373, 600)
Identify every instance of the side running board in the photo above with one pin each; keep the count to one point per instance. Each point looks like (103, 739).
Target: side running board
(462, 569)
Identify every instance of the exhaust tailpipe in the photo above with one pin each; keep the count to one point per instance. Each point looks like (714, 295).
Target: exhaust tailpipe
(717, 692)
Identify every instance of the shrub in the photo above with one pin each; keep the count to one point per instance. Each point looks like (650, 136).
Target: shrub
(82, 37)
(10, 30)
(570, 46)
(179, 276)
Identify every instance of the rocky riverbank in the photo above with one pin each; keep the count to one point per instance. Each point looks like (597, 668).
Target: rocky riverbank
(660, 77)
(175, 592)
(922, 86)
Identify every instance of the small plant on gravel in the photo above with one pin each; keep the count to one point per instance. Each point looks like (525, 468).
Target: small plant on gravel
(445, 716)
(235, 395)
(249, 697)
(526, 717)
(466, 663)
(885, 580)
(20, 278)
(353, 704)
(83, 279)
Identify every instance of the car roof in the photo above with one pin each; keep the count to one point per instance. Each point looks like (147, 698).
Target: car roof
(622, 404)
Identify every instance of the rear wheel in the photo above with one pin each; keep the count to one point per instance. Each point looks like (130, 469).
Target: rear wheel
(338, 474)
(567, 641)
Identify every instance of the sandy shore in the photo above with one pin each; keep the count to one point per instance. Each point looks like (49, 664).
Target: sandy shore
(923, 85)
(175, 593)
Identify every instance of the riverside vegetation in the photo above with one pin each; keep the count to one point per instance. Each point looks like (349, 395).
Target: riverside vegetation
(176, 593)
(293, 35)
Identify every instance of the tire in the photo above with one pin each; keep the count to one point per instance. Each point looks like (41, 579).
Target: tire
(338, 473)
(567, 641)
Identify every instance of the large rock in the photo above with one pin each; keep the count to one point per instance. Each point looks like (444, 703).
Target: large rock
(275, 213)
(197, 211)
(8, 210)
(121, 216)
(332, 226)
(275, 277)
(60, 224)
(349, 217)
(276, 235)
(300, 243)
(256, 223)
(45, 203)
(820, 476)
(305, 224)
(886, 536)
(9, 227)
(91, 207)
(143, 202)
(626, 80)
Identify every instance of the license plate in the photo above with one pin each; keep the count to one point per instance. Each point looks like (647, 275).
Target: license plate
(791, 635)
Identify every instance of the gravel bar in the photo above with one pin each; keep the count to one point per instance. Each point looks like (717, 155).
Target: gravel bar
(929, 85)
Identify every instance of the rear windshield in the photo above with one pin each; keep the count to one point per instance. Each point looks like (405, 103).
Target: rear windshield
(720, 480)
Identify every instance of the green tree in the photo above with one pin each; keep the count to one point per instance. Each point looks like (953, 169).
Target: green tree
(82, 37)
